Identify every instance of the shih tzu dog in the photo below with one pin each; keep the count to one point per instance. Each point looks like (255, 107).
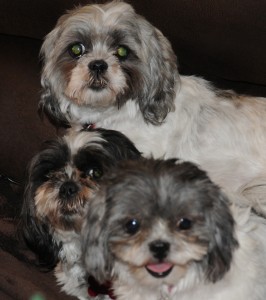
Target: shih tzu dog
(164, 230)
(62, 180)
(106, 65)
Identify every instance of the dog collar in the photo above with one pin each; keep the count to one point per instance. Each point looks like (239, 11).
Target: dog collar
(96, 289)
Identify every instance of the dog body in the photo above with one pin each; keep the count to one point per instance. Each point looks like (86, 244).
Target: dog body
(62, 179)
(106, 65)
(165, 231)
(223, 135)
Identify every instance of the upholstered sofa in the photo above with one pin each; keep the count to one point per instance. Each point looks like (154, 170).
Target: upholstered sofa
(223, 41)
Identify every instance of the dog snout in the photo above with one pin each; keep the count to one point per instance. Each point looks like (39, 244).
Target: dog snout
(98, 66)
(159, 249)
(68, 189)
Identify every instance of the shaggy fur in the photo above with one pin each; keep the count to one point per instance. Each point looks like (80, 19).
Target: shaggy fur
(164, 230)
(106, 65)
(62, 180)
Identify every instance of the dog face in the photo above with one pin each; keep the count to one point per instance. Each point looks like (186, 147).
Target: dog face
(159, 222)
(63, 178)
(100, 56)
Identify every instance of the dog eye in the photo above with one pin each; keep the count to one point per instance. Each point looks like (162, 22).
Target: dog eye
(132, 226)
(122, 52)
(184, 224)
(76, 50)
(94, 173)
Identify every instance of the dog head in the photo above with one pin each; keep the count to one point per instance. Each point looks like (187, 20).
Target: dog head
(62, 179)
(100, 56)
(159, 222)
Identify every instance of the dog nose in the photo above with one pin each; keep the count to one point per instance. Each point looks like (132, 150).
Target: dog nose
(68, 189)
(98, 66)
(159, 249)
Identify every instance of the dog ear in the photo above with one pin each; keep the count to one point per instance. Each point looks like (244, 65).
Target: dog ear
(223, 241)
(160, 74)
(97, 258)
(49, 107)
(36, 234)
(119, 145)
(48, 104)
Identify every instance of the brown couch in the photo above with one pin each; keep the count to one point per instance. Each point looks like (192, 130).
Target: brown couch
(224, 41)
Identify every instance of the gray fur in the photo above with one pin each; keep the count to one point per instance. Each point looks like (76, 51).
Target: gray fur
(152, 190)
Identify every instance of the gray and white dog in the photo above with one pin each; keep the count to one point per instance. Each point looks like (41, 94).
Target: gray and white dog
(164, 230)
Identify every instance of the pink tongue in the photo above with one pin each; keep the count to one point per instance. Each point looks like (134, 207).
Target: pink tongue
(159, 268)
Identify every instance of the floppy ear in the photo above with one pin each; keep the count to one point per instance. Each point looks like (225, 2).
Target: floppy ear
(160, 74)
(36, 233)
(223, 241)
(48, 104)
(49, 107)
(97, 258)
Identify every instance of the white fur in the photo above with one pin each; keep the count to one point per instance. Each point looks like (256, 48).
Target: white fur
(70, 273)
(227, 141)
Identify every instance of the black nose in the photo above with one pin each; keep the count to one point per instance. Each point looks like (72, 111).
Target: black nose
(159, 249)
(98, 66)
(68, 189)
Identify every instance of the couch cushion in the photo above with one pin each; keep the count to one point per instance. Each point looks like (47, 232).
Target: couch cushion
(21, 130)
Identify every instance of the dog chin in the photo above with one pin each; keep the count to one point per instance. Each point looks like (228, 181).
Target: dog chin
(152, 275)
(94, 97)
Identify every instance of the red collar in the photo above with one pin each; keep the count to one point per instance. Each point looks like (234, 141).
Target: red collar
(96, 289)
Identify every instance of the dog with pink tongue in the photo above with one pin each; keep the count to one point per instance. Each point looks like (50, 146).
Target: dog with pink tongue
(163, 230)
